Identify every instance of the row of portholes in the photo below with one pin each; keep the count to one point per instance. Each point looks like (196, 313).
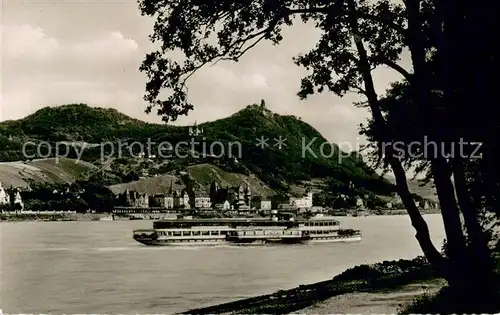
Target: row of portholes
(193, 240)
(189, 233)
(328, 223)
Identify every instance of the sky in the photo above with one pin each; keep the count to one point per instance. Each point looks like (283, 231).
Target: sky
(70, 51)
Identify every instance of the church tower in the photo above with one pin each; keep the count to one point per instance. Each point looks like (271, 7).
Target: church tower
(170, 189)
(248, 195)
(214, 188)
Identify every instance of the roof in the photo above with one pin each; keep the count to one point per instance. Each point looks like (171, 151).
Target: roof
(152, 185)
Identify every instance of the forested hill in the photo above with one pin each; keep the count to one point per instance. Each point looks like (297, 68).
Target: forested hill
(275, 166)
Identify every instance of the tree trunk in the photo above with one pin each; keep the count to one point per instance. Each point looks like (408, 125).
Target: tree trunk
(478, 256)
(422, 231)
(459, 269)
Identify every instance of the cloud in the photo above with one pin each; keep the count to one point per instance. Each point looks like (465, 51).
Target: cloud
(111, 44)
(29, 42)
(26, 41)
(39, 70)
(222, 76)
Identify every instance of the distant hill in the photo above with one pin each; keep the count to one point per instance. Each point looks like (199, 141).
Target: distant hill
(17, 174)
(78, 122)
(274, 167)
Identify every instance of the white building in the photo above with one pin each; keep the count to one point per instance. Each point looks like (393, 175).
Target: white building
(202, 202)
(184, 202)
(164, 201)
(18, 201)
(303, 202)
(265, 205)
(316, 209)
(4, 196)
(359, 202)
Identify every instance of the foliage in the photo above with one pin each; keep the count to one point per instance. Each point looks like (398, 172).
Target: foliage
(444, 302)
(80, 196)
(395, 267)
(357, 36)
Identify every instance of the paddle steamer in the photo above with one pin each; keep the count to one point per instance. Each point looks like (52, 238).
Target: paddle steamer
(219, 231)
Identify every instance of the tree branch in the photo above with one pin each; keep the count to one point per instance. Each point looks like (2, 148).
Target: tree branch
(396, 67)
(360, 15)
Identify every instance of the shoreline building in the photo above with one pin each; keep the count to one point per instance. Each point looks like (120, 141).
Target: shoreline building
(132, 198)
(239, 197)
(18, 201)
(4, 196)
(304, 202)
(11, 198)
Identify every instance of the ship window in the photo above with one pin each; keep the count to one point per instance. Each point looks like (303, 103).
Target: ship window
(196, 233)
(205, 233)
(214, 232)
(177, 233)
(186, 233)
(169, 233)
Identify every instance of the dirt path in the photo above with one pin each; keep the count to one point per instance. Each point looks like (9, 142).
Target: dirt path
(372, 303)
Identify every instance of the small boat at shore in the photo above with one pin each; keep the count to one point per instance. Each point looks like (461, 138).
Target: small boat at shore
(253, 231)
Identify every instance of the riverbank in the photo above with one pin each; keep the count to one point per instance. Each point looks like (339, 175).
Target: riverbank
(352, 290)
(382, 302)
(54, 216)
(390, 287)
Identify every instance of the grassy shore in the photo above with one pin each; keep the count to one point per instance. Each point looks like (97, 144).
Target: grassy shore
(403, 286)
(360, 279)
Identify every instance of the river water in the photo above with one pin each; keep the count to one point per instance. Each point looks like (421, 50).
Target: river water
(96, 266)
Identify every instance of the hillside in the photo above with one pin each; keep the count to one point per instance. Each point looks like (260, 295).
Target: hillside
(279, 168)
(202, 174)
(78, 122)
(152, 186)
(17, 174)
